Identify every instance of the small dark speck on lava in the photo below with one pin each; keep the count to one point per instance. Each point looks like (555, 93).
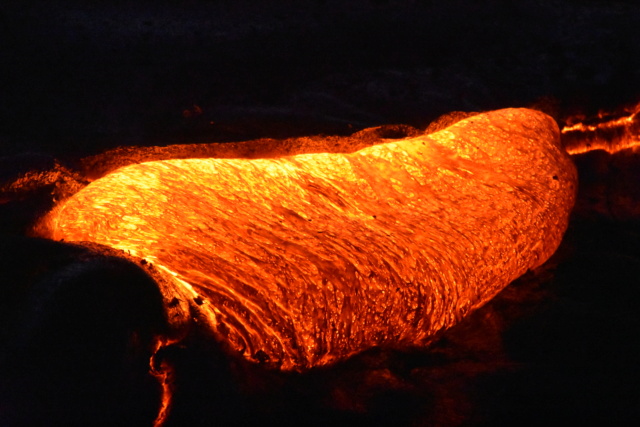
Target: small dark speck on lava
(261, 356)
(555, 177)
(174, 301)
(143, 261)
(374, 217)
(198, 300)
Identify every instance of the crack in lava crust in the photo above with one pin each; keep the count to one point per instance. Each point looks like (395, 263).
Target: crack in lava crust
(308, 259)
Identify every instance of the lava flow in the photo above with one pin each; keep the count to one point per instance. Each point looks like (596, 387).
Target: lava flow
(608, 132)
(303, 260)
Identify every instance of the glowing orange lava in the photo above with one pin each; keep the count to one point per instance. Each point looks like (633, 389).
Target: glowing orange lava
(164, 374)
(611, 133)
(304, 260)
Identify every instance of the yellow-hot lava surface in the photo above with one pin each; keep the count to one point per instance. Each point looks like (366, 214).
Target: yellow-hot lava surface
(303, 260)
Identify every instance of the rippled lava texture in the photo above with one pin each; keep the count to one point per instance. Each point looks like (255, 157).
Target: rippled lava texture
(304, 260)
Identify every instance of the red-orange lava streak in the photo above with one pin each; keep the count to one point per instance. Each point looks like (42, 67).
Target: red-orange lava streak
(307, 259)
(611, 134)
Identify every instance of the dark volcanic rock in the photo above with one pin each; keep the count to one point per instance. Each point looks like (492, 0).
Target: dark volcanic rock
(78, 326)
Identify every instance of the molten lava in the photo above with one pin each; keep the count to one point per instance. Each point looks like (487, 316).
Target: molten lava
(304, 260)
(608, 132)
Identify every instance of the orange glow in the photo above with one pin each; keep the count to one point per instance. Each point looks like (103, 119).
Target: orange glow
(611, 133)
(303, 260)
(164, 373)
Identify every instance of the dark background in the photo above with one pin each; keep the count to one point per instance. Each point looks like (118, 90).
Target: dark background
(77, 79)
(85, 77)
